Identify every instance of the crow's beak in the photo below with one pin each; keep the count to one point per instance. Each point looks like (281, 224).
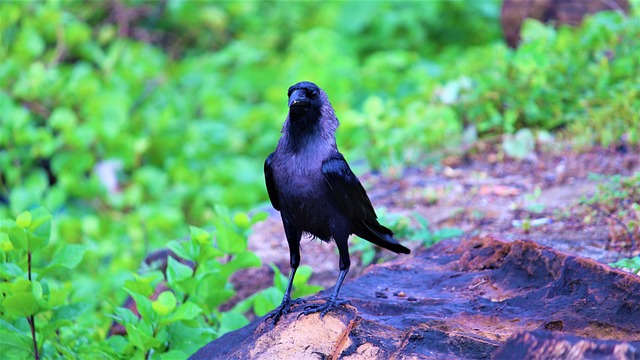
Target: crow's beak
(298, 99)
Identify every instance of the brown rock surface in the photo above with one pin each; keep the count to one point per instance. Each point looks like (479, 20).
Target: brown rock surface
(458, 300)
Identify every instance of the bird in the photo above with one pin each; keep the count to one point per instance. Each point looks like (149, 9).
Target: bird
(317, 194)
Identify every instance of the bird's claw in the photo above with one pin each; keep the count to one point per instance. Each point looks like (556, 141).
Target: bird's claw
(323, 309)
(283, 309)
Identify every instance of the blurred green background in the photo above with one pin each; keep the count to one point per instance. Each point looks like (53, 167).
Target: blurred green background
(130, 121)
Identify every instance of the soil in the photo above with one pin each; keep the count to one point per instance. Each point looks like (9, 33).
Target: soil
(481, 192)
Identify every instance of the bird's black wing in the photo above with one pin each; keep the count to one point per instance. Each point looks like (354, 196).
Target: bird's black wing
(347, 190)
(271, 185)
(354, 203)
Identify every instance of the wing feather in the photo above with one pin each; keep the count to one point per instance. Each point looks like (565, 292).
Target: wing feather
(347, 190)
(271, 185)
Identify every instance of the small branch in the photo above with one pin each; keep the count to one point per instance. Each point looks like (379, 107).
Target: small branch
(60, 50)
(32, 325)
(611, 216)
(31, 319)
(29, 265)
(37, 109)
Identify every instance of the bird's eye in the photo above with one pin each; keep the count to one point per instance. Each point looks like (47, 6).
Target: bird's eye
(313, 93)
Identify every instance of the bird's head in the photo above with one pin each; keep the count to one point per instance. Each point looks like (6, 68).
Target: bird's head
(305, 99)
(311, 116)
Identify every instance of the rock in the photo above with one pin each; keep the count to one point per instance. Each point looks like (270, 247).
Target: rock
(541, 344)
(570, 12)
(461, 301)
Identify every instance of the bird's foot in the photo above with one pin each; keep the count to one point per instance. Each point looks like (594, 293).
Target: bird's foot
(323, 309)
(283, 309)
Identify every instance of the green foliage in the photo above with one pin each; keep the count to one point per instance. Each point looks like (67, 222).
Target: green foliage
(31, 302)
(618, 198)
(427, 237)
(184, 316)
(629, 264)
(585, 79)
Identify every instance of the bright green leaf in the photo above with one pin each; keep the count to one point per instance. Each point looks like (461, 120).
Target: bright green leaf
(24, 220)
(165, 303)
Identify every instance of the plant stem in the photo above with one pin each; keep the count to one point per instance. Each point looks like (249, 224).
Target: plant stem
(32, 325)
(29, 265)
(31, 319)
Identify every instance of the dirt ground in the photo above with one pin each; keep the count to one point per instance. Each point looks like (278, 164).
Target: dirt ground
(481, 192)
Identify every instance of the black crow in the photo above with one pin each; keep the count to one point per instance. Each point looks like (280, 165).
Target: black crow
(311, 184)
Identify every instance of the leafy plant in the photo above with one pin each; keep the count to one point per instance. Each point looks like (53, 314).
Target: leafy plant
(629, 264)
(426, 236)
(36, 308)
(185, 316)
(618, 199)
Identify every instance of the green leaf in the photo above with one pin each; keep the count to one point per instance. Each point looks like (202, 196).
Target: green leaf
(143, 284)
(199, 235)
(68, 256)
(142, 336)
(10, 270)
(70, 312)
(19, 238)
(241, 219)
(165, 303)
(41, 222)
(124, 316)
(279, 280)
(214, 290)
(258, 217)
(63, 118)
(267, 300)
(226, 234)
(174, 354)
(37, 233)
(26, 299)
(230, 321)
(182, 249)
(24, 220)
(186, 311)
(177, 272)
(303, 274)
(243, 260)
(143, 305)
(14, 343)
(29, 44)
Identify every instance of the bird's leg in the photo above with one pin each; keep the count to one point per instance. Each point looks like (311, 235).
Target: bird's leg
(332, 302)
(293, 238)
(286, 303)
(345, 263)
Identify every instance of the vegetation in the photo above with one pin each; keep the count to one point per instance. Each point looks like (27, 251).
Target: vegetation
(125, 126)
(618, 200)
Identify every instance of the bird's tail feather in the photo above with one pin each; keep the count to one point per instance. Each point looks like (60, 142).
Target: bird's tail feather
(381, 236)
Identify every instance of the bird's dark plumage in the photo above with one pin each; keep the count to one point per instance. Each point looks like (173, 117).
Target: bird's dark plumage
(313, 187)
